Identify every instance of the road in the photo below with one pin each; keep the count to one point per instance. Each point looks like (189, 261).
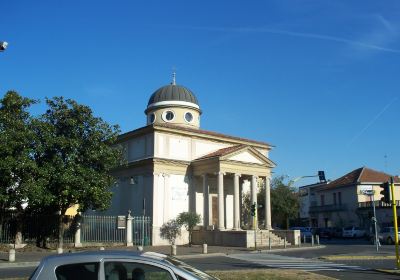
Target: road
(307, 260)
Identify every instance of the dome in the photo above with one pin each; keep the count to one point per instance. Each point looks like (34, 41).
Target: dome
(173, 94)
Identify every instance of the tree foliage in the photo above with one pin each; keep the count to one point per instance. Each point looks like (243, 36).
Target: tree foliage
(75, 154)
(170, 231)
(189, 220)
(284, 201)
(19, 181)
(18, 169)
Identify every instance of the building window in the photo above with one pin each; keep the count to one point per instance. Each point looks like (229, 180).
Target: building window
(152, 118)
(334, 198)
(168, 116)
(340, 198)
(322, 200)
(188, 117)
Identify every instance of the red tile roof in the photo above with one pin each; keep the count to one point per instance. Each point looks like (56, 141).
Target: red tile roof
(222, 152)
(361, 175)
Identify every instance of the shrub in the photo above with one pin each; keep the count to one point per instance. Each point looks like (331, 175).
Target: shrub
(170, 231)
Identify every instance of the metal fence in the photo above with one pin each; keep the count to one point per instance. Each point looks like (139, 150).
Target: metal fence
(41, 229)
(101, 229)
(35, 229)
(141, 230)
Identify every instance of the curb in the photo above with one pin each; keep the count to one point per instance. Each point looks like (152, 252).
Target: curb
(386, 272)
(18, 264)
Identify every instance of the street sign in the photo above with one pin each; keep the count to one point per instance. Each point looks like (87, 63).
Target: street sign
(367, 192)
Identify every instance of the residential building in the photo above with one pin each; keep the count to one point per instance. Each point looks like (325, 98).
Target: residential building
(348, 200)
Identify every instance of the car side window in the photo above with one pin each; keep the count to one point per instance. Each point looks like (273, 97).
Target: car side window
(87, 271)
(119, 270)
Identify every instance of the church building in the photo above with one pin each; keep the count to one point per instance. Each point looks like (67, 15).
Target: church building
(175, 166)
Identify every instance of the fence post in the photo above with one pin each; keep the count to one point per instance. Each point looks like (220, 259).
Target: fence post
(204, 248)
(11, 255)
(77, 239)
(304, 239)
(312, 240)
(284, 243)
(317, 237)
(299, 241)
(129, 219)
(269, 242)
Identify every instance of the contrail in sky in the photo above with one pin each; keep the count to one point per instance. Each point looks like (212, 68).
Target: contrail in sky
(292, 33)
(372, 121)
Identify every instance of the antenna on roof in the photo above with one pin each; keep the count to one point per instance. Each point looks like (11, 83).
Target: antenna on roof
(173, 76)
(386, 162)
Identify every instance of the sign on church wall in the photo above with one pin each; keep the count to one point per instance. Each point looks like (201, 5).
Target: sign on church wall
(179, 192)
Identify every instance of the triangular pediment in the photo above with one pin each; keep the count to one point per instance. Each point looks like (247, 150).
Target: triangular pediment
(245, 156)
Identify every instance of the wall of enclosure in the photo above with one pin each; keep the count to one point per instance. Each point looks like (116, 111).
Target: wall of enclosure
(42, 230)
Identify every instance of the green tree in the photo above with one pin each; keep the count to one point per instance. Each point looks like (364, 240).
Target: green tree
(19, 183)
(284, 202)
(76, 152)
(170, 231)
(189, 220)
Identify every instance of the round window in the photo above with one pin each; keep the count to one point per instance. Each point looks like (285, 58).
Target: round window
(152, 118)
(168, 116)
(188, 117)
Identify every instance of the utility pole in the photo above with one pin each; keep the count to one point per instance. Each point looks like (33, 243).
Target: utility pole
(374, 219)
(396, 229)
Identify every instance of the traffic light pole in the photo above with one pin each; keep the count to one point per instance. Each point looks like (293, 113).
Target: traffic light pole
(396, 229)
(376, 232)
(255, 231)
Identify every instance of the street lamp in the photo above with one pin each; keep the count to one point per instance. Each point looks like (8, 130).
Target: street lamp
(320, 175)
(3, 46)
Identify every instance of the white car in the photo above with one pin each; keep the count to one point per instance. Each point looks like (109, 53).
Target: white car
(387, 235)
(115, 265)
(353, 232)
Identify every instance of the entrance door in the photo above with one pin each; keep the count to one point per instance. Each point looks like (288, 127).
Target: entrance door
(215, 211)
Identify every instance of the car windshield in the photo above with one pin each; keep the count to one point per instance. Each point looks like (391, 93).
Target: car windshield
(189, 269)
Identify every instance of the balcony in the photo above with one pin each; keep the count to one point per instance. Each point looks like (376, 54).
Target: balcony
(378, 204)
(328, 208)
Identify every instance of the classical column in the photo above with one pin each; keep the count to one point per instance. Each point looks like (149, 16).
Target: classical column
(206, 205)
(268, 203)
(221, 218)
(254, 196)
(192, 192)
(236, 204)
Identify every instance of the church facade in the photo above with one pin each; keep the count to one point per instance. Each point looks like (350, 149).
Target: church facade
(174, 166)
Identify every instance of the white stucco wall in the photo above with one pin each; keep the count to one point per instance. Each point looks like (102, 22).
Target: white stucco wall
(171, 197)
(140, 147)
(130, 197)
(183, 148)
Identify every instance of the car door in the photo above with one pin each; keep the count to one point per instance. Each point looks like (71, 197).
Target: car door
(134, 269)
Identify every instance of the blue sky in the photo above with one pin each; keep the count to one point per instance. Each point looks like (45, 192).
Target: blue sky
(317, 79)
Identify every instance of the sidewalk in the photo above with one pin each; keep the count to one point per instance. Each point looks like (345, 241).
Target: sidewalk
(32, 258)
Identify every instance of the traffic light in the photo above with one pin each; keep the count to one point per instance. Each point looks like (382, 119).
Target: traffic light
(253, 209)
(321, 175)
(385, 192)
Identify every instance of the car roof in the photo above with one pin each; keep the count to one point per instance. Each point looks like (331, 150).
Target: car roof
(93, 256)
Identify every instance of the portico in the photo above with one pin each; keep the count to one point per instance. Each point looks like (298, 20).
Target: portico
(224, 178)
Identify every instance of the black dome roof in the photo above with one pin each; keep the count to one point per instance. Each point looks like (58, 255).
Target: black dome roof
(173, 93)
